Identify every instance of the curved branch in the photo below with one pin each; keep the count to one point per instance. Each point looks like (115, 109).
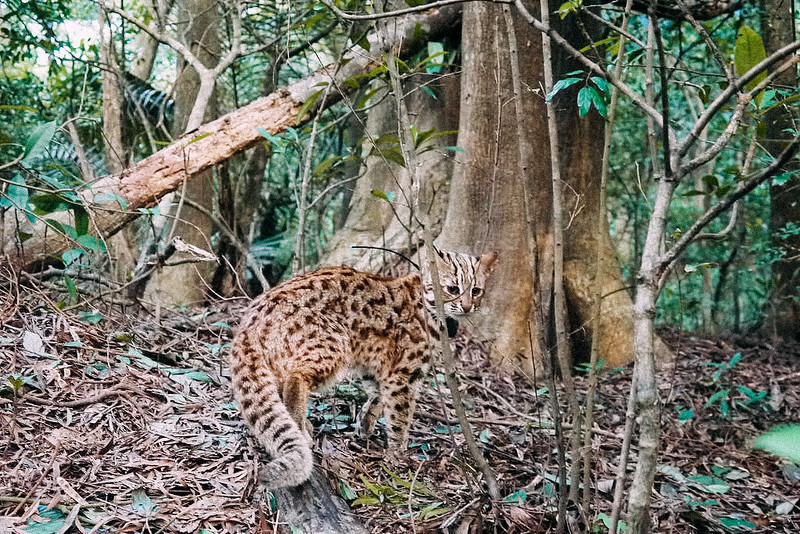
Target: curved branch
(416, 9)
(666, 261)
(714, 107)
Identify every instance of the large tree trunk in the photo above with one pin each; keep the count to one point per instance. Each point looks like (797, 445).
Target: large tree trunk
(486, 208)
(143, 184)
(374, 221)
(778, 29)
(189, 282)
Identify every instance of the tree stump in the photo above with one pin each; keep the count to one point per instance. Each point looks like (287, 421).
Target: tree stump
(312, 508)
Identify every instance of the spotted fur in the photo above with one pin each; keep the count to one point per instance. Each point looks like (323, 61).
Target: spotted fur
(310, 331)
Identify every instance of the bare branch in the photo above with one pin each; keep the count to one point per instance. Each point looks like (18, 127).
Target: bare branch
(666, 261)
(388, 14)
(714, 107)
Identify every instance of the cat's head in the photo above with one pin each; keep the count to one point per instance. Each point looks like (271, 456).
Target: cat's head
(462, 277)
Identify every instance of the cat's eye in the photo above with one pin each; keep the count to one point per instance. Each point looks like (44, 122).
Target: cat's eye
(477, 292)
(453, 290)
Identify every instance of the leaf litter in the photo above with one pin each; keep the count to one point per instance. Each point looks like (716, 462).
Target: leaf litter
(128, 426)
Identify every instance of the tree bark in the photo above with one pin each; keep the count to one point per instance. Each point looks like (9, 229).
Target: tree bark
(373, 221)
(486, 210)
(778, 29)
(112, 101)
(143, 184)
(189, 282)
(486, 207)
(311, 509)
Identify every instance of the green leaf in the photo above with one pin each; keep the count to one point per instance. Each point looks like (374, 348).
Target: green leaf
(92, 243)
(16, 196)
(518, 497)
(308, 104)
(111, 197)
(346, 491)
(736, 523)
(81, 220)
(782, 441)
(599, 101)
(50, 527)
(721, 394)
(49, 203)
(585, 100)
(92, 317)
(749, 51)
(274, 139)
(70, 256)
(560, 85)
(198, 138)
(709, 484)
(39, 139)
(385, 195)
(684, 416)
(73, 291)
(435, 58)
(601, 84)
(141, 502)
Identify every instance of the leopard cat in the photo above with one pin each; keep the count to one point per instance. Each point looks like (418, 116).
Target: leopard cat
(315, 329)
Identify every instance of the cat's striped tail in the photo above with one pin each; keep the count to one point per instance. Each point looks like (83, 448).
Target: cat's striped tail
(256, 390)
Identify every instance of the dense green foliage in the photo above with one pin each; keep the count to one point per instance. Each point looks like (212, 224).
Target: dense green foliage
(51, 75)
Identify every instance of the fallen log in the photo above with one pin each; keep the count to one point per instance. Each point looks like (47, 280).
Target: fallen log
(143, 184)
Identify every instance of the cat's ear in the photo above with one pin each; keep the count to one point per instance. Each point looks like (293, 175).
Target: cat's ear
(487, 261)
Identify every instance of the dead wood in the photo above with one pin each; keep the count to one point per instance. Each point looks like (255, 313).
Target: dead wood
(143, 184)
(310, 509)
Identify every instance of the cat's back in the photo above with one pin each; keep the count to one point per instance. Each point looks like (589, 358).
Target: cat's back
(333, 293)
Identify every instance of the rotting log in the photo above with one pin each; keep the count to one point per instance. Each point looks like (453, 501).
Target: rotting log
(309, 509)
(143, 184)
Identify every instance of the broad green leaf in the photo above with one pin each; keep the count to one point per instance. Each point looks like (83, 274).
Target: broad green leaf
(748, 53)
(81, 220)
(49, 203)
(601, 84)
(782, 441)
(585, 98)
(39, 139)
(141, 502)
(435, 58)
(111, 197)
(50, 527)
(16, 196)
(709, 484)
(70, 256)
(560, 85)
(598, 100)
(92, 317)
(684, 416)
(519, 497)
(92, 243)
(736, 523)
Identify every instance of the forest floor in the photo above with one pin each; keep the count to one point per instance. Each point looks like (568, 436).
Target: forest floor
(111, 423)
